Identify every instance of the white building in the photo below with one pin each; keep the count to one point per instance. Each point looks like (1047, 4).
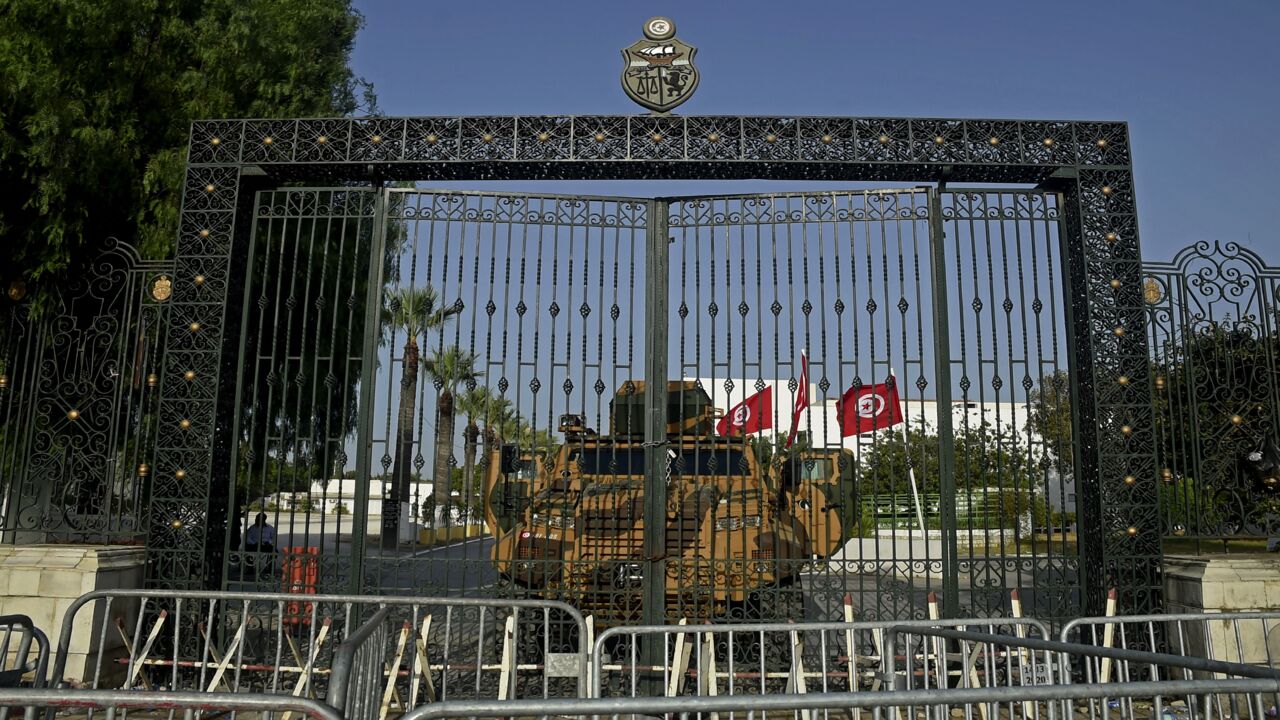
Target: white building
(324, 496)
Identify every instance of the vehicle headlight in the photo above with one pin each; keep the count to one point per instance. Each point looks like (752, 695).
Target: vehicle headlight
(729, 523)
(735, 522)
(561, 522)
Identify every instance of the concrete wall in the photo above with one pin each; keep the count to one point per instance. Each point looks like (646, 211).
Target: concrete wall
(42, 581)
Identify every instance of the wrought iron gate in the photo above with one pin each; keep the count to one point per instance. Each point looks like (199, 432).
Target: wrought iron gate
(1214, 333)
(79, 394)
(393, 342)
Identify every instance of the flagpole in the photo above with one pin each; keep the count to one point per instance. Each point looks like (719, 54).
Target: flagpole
(911, 471)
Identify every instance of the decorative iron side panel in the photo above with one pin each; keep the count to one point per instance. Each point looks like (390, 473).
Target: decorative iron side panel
(1215, 354)
(78, 404)
(1119, 530)
(178, 537)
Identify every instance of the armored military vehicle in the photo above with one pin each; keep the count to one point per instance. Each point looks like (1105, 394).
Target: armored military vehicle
(734, 529)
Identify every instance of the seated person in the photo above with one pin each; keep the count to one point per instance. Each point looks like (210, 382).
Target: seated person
(260, 537)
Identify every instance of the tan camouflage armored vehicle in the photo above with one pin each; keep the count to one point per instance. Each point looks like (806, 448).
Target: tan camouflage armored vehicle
(733, 527)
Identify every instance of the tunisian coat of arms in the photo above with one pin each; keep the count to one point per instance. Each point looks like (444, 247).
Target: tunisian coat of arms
(658, 72)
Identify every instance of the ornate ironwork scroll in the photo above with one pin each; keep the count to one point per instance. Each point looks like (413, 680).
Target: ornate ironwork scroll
(179, 538)
(79, 404)
(1215, 352)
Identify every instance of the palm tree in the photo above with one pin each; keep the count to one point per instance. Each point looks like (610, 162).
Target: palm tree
(504, 424)
(413, 311)
(476, 404)
(448, 367)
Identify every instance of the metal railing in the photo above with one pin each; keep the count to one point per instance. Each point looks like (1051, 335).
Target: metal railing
(1050, 702)
(280, 643)
(1127, 701)
(525, 663)
(763, 658)
(1251, 638)
(358, 669)
(371, 656)
(82, 703)
(16, 661)
(1058, 657)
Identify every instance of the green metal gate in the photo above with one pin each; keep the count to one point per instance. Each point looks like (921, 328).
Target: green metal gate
(393, 342)
(1214, 333)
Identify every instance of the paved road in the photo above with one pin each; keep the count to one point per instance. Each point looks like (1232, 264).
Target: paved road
(458, 569)
(899, 596)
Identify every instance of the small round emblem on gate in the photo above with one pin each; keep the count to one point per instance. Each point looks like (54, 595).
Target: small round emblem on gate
(659, 28)
(162, 288)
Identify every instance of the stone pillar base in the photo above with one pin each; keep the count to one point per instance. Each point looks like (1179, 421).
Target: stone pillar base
(1226, 583)
(42, 581)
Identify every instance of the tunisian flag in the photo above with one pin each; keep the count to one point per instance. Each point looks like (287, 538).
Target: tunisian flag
(868, 408)
(749, 416)
(802, 399)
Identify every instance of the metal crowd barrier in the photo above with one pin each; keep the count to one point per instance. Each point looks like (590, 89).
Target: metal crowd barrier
(1126, 701)
(16, 660)
(359, 670)
(770, 658)
(1251, 638)
(89, 703)
(287, 644)
(526, 663)
(1209, 703)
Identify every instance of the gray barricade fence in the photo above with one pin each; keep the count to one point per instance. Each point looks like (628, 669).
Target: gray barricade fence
(24, 651)
(1063, 658)
(79, 703)
(1251, 638)
(282, 643)
(359, 672)
(771, 658)
(1123, 701)
(365, 683)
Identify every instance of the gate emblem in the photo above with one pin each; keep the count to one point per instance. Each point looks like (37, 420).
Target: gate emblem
(162, 288)
(658, 72)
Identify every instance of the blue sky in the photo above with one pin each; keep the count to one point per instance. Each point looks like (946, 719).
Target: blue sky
(1195, 80)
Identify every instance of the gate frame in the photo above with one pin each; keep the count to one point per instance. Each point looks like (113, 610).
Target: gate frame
(1088, 162)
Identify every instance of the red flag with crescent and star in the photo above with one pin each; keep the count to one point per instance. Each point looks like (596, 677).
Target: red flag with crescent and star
(749, 416)
(867, 408)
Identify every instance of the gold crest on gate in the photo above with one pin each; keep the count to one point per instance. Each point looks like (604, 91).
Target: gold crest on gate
(162, 288)
(658, 72)
(1152, 291)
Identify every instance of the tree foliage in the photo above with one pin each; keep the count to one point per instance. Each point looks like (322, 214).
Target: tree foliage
(1214, 392)
(1213, 388)
(997, 471)
(986, 456)
(1049, 417)
(99, 96)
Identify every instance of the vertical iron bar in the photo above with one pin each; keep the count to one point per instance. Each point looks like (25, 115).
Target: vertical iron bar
(233, 512)
(217, 504)
(368, 378)
(946, 437)
(1081, 372)
(657, 262)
